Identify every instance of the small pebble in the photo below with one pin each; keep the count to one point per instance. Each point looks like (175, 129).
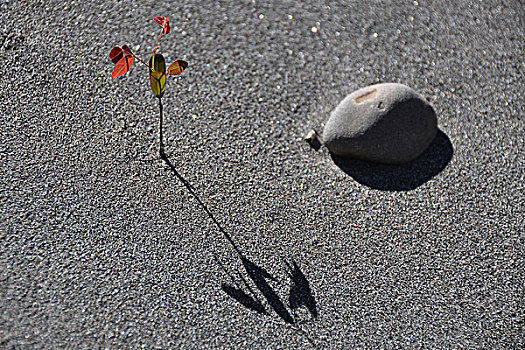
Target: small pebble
(313, 140)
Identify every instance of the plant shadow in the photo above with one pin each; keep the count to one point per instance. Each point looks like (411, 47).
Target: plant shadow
(300, 291)
(400, 177)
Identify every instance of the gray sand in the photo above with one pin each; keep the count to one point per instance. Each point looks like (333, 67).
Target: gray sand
(102, 245)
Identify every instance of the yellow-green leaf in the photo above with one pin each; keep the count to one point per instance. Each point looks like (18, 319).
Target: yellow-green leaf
(157, 77)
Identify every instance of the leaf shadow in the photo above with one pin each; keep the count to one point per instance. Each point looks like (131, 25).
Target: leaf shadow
(237, 293)
(243, 298)
(400, 177)
(300, 291)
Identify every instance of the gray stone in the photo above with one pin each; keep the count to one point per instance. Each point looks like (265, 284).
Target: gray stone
(385, 123)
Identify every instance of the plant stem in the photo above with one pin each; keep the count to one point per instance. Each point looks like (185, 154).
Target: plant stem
(161, 144)
(160, 35)
(141, 61)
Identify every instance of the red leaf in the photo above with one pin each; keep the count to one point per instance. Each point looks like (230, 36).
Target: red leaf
(164, 23)
(167, 28)
(127, 50)
(116, 54)
(122, 66)
(159, 20)
(177, 67)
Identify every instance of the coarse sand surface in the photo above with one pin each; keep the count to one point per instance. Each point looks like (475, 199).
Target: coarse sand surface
(244, 236)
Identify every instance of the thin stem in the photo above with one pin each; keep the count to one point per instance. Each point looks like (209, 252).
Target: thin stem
(161, 144)
(141, 61)
(160, 35)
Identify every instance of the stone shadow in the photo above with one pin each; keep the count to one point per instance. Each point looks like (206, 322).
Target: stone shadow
(401, 177)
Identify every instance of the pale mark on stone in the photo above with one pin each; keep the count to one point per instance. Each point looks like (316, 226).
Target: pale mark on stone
(366, 96)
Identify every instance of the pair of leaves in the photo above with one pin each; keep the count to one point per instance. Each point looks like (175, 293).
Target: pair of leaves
(123, 59)
(157, 75)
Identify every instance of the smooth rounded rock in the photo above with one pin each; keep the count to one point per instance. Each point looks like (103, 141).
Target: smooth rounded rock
(385, 123)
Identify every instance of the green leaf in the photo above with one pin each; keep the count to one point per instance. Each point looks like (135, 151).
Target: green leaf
(157, 77)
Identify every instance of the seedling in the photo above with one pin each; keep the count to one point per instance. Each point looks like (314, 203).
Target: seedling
(123, 59)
